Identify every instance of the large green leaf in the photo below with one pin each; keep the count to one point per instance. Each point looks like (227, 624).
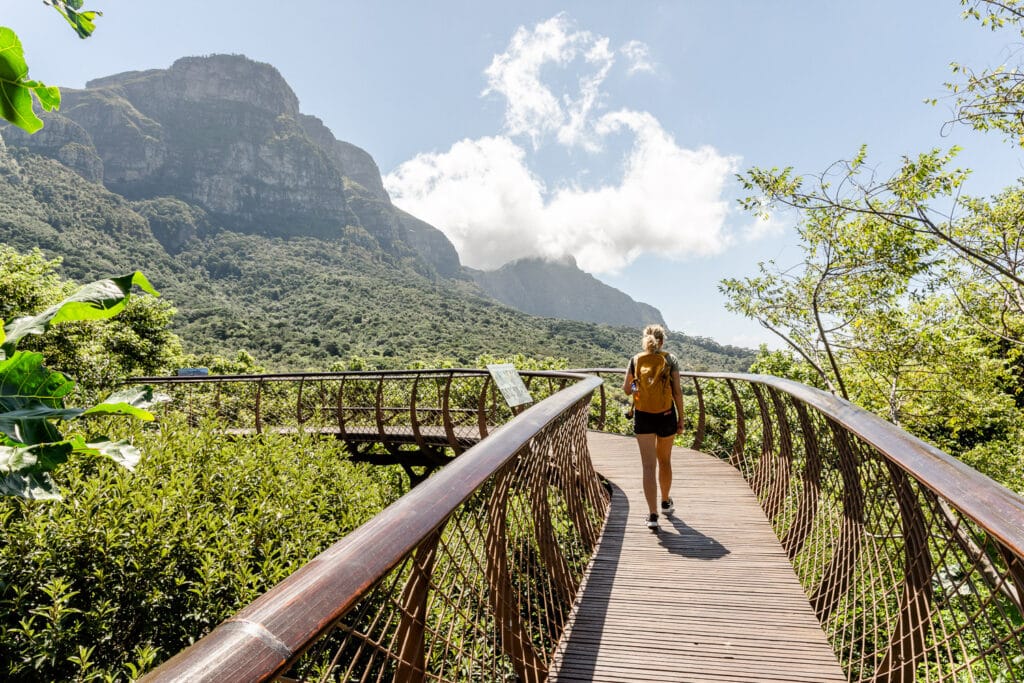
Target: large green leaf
(94, 301)
(34, 459)
(16, 91)
(133, 402)
(24, 378)
(25, 472)
(121, 452)
(33, 486)
(30, 396)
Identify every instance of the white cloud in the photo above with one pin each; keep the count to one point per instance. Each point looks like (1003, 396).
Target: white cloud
(483, 196)
(534, 108)
(480, 194)
(489, 201)
(638, 55)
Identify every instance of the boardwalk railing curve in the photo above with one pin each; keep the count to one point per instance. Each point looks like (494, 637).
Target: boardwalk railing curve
(469, 576)
(912, 561)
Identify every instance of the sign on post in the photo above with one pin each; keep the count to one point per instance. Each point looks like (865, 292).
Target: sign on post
(510, 384)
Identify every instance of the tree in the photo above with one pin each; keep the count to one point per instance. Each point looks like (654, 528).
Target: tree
(910, 297)
(855, 269)
(18, 93)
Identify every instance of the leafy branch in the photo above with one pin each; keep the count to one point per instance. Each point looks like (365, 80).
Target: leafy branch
(18, 92)
(32, 396)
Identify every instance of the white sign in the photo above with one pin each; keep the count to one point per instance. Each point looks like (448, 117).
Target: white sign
(510, 384)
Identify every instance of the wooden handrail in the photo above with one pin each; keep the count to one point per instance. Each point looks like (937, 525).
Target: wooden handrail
(262, 640)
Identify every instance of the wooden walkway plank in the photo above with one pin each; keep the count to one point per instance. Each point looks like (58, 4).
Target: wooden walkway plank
(710, 597)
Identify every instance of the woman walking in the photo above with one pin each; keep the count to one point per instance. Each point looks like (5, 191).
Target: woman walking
(653, 381)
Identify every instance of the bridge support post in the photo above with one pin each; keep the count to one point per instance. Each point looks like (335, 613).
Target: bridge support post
(907, 642)
(515, 641)
(836, 578)
(810, 493)
(412, 650)
(738, 458)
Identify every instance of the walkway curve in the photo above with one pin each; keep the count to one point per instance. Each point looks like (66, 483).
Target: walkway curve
(711, 597)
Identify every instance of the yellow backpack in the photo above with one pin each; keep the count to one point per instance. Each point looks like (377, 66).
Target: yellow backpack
(653, 382)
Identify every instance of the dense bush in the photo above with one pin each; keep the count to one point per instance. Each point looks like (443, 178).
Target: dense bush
(132, 567)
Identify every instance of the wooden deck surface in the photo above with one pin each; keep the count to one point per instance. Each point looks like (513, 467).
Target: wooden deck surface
(710, 597)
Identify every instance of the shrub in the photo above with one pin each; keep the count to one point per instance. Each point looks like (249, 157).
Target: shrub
(135, 566)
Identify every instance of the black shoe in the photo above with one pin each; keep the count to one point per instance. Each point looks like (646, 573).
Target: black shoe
(667, 507)
(652, 521)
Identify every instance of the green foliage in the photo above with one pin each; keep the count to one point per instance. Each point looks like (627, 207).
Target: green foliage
(32, 396)
(17, 90)
(134, 567)
(909, 299)
(82, 22)
(96, 354)
(989, 100)
(300, 303)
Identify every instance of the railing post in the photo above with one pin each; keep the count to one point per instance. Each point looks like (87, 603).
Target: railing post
(738, 458)
(549, 456)
(379, 404)
(298, 405)
(836, 578)
(414, 418)
(515, 642)
(481, 409)
(763, 470)
(779, 491)
(907, 641)
(411, 666)
(807, 508)
(698, 438)
(446, 415)
(340, 407)
(258, 406)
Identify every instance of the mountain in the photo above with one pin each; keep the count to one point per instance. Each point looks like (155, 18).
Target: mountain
(265, 231)
(559, 289)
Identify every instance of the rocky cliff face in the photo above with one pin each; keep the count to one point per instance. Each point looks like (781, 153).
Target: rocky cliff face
(225, 135)
(559, 289)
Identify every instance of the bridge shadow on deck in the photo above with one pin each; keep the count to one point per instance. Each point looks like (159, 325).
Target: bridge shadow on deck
(709, 597)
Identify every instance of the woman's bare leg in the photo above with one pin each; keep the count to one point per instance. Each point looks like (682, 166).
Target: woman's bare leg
(649, 463)
(664, 455)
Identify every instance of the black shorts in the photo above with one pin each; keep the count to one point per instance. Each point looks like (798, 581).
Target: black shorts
(662, 424)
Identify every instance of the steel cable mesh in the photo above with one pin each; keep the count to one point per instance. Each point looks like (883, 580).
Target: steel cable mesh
(906, 588)
(487, 596)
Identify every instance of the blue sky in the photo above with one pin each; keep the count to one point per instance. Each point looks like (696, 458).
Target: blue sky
(605, 131)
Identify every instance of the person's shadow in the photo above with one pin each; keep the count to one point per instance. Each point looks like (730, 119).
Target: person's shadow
(595, 596)
(688, 542)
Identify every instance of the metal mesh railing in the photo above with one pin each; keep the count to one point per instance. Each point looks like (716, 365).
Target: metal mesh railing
(911, 560)
(469, 577)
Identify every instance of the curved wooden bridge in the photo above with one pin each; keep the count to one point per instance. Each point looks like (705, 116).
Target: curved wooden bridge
(811, 541)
